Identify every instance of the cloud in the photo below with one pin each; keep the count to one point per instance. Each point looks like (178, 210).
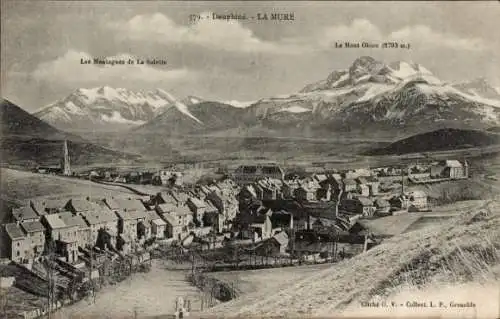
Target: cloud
(424, 35)
(68, 69)
(226, 35)
(358, 30)
(419, 36)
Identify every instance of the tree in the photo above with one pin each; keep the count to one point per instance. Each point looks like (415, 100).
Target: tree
(49, 265)
(4, 294)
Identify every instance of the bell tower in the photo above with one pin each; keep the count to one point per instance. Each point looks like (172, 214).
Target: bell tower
(66, 163)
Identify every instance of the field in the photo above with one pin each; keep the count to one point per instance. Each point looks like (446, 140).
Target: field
(263, 280)
(465, 250)
(17, 186)
(22, 185)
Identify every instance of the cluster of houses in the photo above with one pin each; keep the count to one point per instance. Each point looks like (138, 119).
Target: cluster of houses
(168, 177)
(256, 204)
(353, 192)
(119, 224)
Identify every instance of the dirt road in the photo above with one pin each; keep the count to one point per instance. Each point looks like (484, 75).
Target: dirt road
(147, 294)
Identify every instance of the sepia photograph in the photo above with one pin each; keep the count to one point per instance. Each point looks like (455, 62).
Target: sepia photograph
(249, 159)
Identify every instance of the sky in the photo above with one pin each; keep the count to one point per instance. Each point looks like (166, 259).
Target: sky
(43, 43)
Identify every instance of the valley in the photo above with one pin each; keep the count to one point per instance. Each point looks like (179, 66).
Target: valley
(377, 178)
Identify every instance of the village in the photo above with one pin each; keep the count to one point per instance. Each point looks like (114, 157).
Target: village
(256, 216)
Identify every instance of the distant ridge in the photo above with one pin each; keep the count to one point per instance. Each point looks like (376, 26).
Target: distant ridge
(439, 140)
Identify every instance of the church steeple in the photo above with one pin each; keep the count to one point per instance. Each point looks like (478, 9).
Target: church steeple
(66, 164)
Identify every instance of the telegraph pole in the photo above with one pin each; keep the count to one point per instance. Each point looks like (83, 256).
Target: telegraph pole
(91, 281)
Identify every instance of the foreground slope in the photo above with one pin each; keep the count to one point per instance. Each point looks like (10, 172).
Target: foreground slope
(465, 250)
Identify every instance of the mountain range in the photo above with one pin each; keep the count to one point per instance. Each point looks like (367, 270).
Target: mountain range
(370, 97)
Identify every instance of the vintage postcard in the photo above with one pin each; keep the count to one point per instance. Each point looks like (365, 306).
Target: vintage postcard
(234, 159)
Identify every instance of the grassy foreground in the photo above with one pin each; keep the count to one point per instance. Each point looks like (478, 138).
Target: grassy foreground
(465, 251)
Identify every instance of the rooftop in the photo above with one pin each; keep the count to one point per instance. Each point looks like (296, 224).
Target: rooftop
(98, 217)
(73, 220)
(452, 163)
(25, 212)
(166, 197)
(177, 210)
(129, 204)
(14, 231)
(159, 222)
(169, 218)
(180, 197)
(42, 205)
(197, 202)
(281, 238)
(81, 205)
(132, 214)
(34, 226)
(55, 221)
(365, 201)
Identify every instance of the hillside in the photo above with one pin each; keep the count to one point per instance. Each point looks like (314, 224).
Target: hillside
(439, 140)
(200, 117)
(17, 122)
(463, 251)
(28, 141)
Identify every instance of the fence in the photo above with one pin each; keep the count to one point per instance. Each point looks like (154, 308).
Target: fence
(37, 313)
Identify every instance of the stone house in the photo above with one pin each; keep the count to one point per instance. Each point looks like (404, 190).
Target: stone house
(261, 225)
(382, 206)
(173, 227)
(198, 207)
(180, 197)
(281, 219)
(65, 237)
(363, 190)
(213, 218)
(84, 235)
(307, 191)
(371, 182)
(179, 220)
(132, 216)
(14, 244)
(359, 205)
(158, 225)
(413, 201)
(417, 200)
(35, 237)
(48, 206)
(271, 188)
(452, 169)
(101, 219)
(163, 198)
(275, 246)
(247, 174)
(289, 188)
(350, 185)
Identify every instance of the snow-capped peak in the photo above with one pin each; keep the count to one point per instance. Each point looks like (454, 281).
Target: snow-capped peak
(405, 70)
(100, 106)
(239, 104)
(179, 105)
(478, 87)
